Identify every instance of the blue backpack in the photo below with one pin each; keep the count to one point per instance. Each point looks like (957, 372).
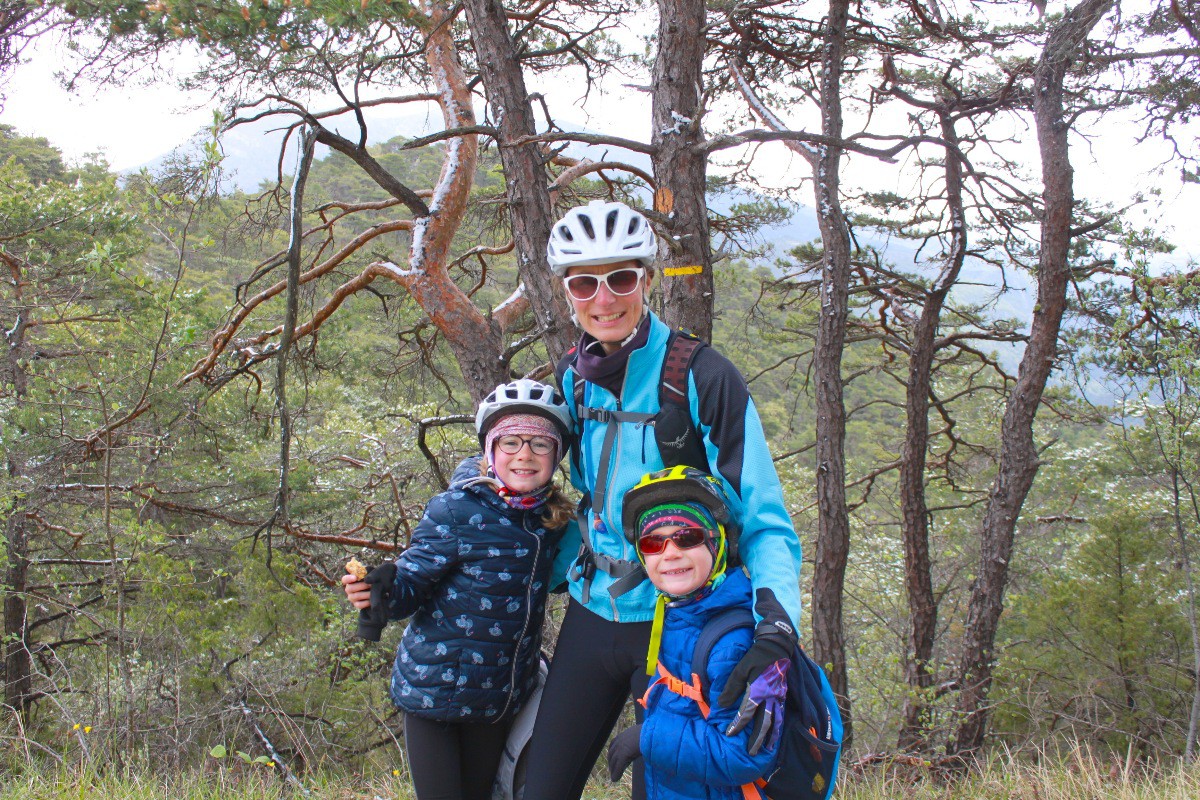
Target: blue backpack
(811, 745)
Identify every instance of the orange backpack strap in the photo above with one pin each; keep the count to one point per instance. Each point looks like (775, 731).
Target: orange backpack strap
(691, 691)
(694, 692)
(753, 790)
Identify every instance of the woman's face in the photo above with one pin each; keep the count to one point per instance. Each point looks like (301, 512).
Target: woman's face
(524, 470)
(608, 317)
(678, 572)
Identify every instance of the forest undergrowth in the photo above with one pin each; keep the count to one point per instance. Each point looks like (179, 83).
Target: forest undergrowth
(1076, 777)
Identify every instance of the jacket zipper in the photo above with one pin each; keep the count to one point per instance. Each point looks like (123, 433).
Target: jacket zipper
(537, 552)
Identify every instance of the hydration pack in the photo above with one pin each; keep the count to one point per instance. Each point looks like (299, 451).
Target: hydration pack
(675, 434)
(510, 776)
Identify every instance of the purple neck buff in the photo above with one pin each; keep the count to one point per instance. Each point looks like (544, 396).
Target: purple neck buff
(608, 370)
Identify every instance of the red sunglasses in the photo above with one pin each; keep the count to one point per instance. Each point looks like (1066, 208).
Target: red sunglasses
(685, 538)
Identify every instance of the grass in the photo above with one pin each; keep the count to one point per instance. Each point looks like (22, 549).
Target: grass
(1078, 777)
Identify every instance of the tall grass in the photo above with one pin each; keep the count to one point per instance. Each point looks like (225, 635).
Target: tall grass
(251, 784)
(1075, 777)
(1078, 776)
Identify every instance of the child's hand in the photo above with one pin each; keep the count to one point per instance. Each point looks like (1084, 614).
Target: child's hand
(357, 591)
(625, 748)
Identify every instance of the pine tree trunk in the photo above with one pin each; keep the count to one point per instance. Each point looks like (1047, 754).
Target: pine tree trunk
(918, 566)
(527, 184)
(685, 260)
(18, 668)
(833, 534)
(1018, 454)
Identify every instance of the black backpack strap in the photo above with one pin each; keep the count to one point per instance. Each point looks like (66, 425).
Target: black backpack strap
(626, 574)
(714, 630)
(681, 349)
(575, 399)
(675, 431)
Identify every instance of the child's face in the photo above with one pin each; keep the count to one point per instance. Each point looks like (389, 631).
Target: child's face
(674, 571)
(524, 470)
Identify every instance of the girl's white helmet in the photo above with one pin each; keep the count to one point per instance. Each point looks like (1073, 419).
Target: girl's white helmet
(600, 233)
(522, 396)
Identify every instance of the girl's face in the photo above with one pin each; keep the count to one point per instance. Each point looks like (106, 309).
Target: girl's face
(524, 470)
(678, 572)
(609, 317)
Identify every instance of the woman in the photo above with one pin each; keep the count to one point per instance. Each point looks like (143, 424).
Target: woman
(604, 252)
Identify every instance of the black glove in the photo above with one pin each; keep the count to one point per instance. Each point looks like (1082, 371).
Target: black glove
(623, 750)
(372, 620)
(774, 638)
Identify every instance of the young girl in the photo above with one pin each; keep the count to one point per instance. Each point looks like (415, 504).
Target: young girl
(475, 579)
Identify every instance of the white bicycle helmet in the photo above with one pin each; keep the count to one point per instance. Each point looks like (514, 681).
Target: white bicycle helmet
(600, 233)
(522, 396)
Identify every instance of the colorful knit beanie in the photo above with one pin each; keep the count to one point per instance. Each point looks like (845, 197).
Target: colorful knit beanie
(686, 515)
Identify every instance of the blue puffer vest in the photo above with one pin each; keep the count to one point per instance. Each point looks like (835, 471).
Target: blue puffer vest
(474, 579)
(687, 756)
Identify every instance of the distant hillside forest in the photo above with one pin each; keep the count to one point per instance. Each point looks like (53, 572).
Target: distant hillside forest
(173, 551)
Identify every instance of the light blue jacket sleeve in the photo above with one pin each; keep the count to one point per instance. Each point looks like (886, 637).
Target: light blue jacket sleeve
(738, 453)
(568, 549)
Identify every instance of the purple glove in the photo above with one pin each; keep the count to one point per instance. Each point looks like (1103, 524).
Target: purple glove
(763, 704)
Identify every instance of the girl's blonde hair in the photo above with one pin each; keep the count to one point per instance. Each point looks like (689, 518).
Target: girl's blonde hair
(559, 509)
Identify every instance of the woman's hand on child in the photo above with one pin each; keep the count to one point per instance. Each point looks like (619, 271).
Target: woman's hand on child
(623, 750)
(774, 638)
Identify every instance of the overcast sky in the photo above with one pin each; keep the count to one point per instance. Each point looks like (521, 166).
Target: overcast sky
(133, 126)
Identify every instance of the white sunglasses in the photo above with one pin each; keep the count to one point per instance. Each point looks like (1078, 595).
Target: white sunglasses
(620, 282)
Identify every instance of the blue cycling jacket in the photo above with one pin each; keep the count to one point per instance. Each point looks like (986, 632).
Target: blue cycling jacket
(725, 417)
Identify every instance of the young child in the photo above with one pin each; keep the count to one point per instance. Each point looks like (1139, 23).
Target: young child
(693, 748)
(475, 579)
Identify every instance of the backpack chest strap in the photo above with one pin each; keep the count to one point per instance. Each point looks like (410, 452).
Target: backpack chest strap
(626, 574)
(692, 691)
(695, 692)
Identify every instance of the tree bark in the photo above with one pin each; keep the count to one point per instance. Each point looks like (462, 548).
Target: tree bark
(680, 164)
(1018, 455)
(918, 567)
(1189, 748)
(833, 533)
(527, 181)
(18, 665)
(475, 340)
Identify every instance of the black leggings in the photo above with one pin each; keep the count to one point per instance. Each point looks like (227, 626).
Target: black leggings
(453, 760)
(597, 665)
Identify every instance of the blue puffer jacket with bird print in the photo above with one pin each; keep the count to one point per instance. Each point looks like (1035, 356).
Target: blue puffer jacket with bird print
(474, 579)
